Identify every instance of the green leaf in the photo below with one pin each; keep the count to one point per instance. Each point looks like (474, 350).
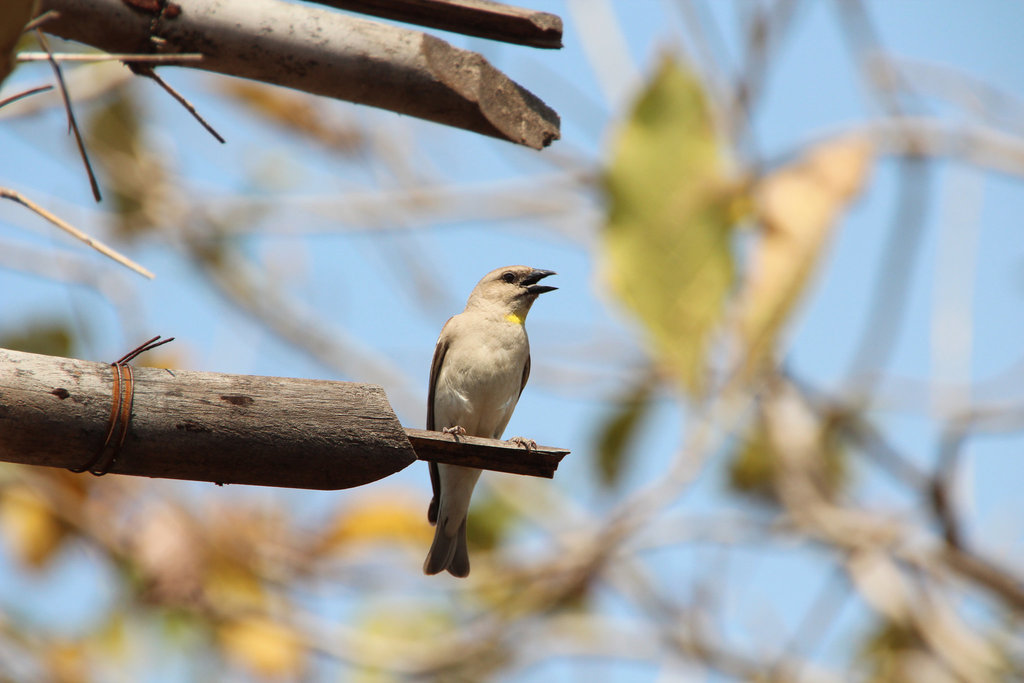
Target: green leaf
(671, 209)
(489, 522)
(889, 649)
(48, 337)
(752, 469)
(618, 430)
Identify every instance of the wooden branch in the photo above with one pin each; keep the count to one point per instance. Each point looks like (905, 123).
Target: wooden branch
(481, 18)
(321, 52)
(228, 429)
(485, 454)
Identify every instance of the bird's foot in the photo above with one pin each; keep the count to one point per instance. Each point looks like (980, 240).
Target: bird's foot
(528, 444)
(455, 431)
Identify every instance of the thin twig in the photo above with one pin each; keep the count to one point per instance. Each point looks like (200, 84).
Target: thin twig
(149, 73)
(106, 57)
(74, 232)
(766, 31)
(998, 580)
(40, 20)
(72, 123)
(27, 93)
(859, 430)
(942, 487)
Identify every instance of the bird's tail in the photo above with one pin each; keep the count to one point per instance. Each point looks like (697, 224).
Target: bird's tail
(448, 552)
(449, 549)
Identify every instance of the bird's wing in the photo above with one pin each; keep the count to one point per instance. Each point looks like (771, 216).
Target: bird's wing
(435, 371)
(526, 374)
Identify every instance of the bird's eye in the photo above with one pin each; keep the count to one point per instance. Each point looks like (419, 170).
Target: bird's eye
(508, 276)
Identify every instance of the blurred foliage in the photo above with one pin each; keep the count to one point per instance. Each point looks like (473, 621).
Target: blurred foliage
(671, 211)
(29, 525)
(48, 337)
(299, 113)
(895, 654)
(383, 518)
(618, 430)
(134, 175)
(32, 518)
(754, 469)
(797, 206)
(490, 521)
(67, 662)
(264, 647)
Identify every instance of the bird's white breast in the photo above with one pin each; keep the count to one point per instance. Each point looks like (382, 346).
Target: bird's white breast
(480, 378)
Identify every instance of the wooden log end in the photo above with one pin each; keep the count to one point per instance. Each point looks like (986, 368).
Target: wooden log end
(505, 109)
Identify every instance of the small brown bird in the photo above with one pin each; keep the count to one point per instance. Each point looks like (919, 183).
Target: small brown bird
(481, 364)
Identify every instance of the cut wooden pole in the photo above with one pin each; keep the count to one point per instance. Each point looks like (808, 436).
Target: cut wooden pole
(323, 52)
(227, 429)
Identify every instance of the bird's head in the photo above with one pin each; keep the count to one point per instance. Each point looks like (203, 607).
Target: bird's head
(510, 291)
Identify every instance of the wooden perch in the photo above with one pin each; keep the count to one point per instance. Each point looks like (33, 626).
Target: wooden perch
(321, 52)
(485, 454)
(481, 18)
(228, 429)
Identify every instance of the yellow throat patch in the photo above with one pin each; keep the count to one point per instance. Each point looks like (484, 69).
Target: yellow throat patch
(513, 318)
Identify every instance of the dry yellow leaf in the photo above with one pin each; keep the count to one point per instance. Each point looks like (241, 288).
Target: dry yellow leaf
(233, 584)
(797, 206)
(264, 647)
(28, 522)
(382, 518)
(66, 662)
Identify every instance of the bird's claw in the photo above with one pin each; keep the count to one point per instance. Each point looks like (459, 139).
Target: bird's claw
(455, 431)
(528, 444)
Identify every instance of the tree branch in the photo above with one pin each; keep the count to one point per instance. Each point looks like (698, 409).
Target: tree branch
(481, 18)
(236, 429)
(324, 53)
(6, 193)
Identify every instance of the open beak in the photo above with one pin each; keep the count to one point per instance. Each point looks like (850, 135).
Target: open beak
(531, 280)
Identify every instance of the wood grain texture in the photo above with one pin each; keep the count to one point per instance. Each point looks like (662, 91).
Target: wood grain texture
(231, 429)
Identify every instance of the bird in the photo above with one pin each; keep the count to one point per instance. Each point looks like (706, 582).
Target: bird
(481, 364)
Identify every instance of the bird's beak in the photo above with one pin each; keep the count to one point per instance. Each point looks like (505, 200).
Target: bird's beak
(535, 276)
